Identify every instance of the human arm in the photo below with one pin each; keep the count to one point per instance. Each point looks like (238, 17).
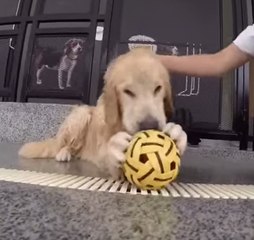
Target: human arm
(233, 56)
(205, 65)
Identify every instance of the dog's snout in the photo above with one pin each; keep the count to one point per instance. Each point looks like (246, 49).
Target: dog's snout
(149, 123)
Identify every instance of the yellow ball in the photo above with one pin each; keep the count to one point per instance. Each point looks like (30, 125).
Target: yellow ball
(152, 160)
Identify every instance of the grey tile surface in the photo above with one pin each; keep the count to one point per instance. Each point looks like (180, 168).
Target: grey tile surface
(203, 165)
(21, 122)
(33, 212)
(218, 165)
(9, 159)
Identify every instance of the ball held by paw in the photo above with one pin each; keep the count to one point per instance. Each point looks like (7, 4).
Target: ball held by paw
(152, 160)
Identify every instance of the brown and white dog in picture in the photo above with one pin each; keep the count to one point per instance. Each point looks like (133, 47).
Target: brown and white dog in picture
(65, 62)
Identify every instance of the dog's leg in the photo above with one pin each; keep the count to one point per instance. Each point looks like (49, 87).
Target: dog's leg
(60, 78)
(117, 145)
(71, 134)
(38, 74)
(176, 132)
(68, 84)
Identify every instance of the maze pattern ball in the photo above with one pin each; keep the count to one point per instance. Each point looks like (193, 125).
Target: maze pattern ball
(152, 160)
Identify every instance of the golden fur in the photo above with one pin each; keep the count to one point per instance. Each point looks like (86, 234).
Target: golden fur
(137, 87)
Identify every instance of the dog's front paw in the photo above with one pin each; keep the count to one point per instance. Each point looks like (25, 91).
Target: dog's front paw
(39, 81)
(117, 146)
(176, 132)
(63, 155)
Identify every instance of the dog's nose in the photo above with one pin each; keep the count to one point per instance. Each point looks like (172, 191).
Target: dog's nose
(149, 123)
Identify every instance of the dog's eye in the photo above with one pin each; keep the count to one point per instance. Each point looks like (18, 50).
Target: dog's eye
(157, 90)
(129, 93)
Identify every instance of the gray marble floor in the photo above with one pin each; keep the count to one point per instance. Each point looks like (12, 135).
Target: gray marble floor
(34, 212)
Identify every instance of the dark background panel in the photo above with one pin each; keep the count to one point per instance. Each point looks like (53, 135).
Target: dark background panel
(4, 53)
(8, 7)
(103, 7)
(66, 6)
(205, 107)
(195, 21)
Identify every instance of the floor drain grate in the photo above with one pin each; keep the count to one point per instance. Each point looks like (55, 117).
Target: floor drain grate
(186, 190)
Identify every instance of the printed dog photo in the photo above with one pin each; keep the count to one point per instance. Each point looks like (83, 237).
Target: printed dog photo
(55, 60)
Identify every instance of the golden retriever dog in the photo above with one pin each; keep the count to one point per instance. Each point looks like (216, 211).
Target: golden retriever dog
(136, 96)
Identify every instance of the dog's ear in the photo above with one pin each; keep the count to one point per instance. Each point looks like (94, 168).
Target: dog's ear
(69, 42)
(82, 41)
(168, 100)
(112, 106)
(67, 46)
